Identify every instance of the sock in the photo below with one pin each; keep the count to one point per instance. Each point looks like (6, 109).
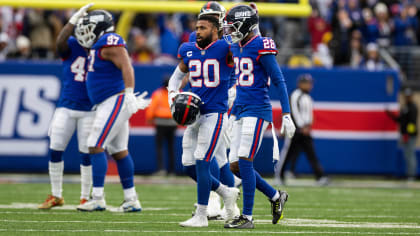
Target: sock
(55, 170)
(85, 176)
(276, 196)
(203, 182)
(222, 190)
(55, 156)
(226, 176)
(126, 171)
(214, 169)
(248, 185)
(237, 181)
(99, 168)
(191, 172)
(130, 194)
(98, 193)
(264, 187)
(249, 217)
(201, 210)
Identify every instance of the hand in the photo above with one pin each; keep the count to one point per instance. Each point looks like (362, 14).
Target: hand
(80, 13)
(287, 126)
(231, 96)
(130, 101)
(142, 103)
(171, 96)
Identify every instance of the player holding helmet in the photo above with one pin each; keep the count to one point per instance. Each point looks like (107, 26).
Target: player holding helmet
(255, 63)
(110, 85)
(209, 63)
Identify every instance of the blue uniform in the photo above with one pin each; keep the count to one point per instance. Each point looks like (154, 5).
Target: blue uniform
(104, 78)
(253, 79)
(209, 74)
(73, 90)
(193, 37)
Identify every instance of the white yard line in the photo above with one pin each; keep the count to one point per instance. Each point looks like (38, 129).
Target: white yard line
(206, 231)
(18, 205)
(285, 222)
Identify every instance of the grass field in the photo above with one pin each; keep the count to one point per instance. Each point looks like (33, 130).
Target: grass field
(341, 209)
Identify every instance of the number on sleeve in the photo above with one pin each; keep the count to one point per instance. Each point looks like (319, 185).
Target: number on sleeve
(78, 69)
(112, 40)
(269, 44)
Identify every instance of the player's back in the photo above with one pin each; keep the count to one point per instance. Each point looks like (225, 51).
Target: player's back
(73, 90)
(253, 81)
(104, 78)
(209, 74)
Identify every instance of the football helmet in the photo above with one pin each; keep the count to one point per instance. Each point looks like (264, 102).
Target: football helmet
(92, 26)
(214, 8)
(239, 22)
(186, 108)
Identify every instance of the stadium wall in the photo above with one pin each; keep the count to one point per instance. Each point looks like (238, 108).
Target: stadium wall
(352, 133)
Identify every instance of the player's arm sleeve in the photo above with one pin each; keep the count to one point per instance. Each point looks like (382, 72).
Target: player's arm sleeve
(269, 63)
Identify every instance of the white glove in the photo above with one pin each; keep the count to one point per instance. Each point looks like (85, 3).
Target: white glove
(80, 13)
(131, 101)
(287, 126)
(231, 96)
(142, 103)
(171, 97)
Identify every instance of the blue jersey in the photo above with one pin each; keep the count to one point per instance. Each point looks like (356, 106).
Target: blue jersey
(253, 81)
(104, 78)
(73, 87)
(209, 74)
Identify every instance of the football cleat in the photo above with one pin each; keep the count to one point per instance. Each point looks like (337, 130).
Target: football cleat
(236, 213)
(240, 222)
(51, 202)
(130, 206)
(214, 206)
(230, 202)
(277, 207)
(83, 201)
(195, 221)
(92, 205)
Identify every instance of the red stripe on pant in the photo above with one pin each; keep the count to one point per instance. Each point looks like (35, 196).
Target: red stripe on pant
(111, 121)
(215, 138)
(257, 139)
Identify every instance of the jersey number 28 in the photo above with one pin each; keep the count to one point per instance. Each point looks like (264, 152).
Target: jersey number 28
(244, 68)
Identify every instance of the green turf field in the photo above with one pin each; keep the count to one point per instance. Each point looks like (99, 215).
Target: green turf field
(332, 210)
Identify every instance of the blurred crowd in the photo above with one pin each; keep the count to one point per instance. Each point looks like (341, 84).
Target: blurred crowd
(339, 32)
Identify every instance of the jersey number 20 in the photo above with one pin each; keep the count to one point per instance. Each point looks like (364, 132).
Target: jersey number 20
(198, 69)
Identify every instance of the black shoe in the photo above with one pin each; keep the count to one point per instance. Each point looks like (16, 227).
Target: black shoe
(277, 206)
(240, 222)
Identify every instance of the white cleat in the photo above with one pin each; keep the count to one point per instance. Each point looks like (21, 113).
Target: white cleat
(230, 202)
(214, 206)
(93, 205)
(196, 221)
(130, 206)
(237, 212)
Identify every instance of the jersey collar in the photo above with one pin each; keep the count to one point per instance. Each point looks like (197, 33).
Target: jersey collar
(208, 46)
(248, 41)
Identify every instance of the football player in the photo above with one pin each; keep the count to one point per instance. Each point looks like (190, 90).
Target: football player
(209, 63)
(73, 112)
(110, 86)
(255, 63)
(219, 166)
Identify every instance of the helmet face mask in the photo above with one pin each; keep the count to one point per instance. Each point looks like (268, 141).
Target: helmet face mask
(239, 22)
(92, 26)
